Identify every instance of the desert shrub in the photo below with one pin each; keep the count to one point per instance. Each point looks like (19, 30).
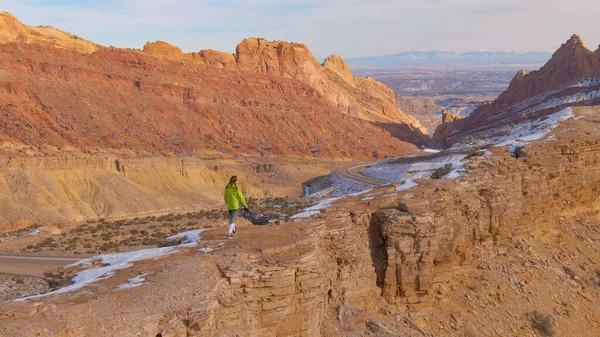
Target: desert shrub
(570, 272)
(108, 246)
(149, 242)
(542, 323)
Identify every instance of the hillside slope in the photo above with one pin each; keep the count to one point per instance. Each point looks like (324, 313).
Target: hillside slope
(570, 78)
(268, 98)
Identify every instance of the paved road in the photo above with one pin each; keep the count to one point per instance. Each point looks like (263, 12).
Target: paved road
(354, 173)
(33, 265)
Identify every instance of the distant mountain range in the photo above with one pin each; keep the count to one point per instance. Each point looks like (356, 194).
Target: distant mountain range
(447, 58)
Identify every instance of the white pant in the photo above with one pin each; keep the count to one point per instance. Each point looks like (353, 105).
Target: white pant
(231, 228)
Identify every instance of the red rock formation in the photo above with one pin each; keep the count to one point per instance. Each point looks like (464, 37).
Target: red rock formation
(161, 48)
(450, 123)
(571, 62)
(161, 100)
(11, 30)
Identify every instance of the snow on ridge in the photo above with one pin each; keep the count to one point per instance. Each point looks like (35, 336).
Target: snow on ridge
(588, 93)
(517, 134)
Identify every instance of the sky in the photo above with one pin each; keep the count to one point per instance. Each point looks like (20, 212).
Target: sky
(351, 28)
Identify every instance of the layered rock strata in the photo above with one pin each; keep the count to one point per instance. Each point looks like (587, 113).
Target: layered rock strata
(269, 98)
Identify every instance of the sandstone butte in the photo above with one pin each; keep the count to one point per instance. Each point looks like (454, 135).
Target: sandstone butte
(572, 61)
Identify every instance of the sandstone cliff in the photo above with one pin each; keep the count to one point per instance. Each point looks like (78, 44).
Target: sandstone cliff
(11, 30)
(571, 77)
(269, 98)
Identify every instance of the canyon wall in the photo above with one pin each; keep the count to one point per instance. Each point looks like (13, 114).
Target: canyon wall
(269, 98)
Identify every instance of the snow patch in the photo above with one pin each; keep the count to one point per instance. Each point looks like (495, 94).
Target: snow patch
(396, 170)
(525, 133)
(110, 263)
(34, 232)
(191, 238)
(315, 209)
(133, 282)
(334, 186)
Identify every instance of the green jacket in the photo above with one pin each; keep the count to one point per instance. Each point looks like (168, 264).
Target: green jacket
(233, 197)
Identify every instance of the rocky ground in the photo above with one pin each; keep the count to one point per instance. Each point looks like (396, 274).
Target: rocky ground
(102, 236)
(14, 286)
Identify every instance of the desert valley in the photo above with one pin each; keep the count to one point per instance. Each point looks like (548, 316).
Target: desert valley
(384, 200)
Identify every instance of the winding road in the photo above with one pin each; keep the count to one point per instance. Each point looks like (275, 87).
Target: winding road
(354, 173)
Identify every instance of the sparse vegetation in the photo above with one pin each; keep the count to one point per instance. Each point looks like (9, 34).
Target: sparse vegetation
(570, 272)
(103, 236)
(542, 323)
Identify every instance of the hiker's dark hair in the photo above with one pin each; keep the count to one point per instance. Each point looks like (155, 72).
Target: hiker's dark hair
(233, 181)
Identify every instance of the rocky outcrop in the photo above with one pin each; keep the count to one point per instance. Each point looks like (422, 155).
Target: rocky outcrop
(215, 59)
(161, 48)
(571, 77)
(337, 64)
(13, 31)
(364, 98)
(450, 123)
(519, 76)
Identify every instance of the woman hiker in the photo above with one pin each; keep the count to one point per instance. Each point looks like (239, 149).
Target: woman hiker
(233, 198)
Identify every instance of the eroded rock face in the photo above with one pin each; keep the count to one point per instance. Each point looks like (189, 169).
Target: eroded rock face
(13, 31)
(451, 122)
(215, 58)
(163, 101)
(570, 63)
(161, 48)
